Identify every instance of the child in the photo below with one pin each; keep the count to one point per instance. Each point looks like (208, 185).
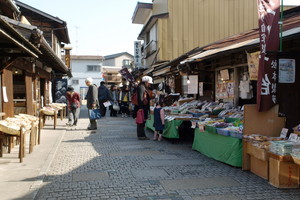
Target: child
(159, 120)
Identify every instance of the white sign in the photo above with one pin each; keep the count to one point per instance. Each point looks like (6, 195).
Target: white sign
(137, 53)
(287, 70)
(193, 85)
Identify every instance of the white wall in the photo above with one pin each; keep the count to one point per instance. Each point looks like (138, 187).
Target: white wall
(80, 73)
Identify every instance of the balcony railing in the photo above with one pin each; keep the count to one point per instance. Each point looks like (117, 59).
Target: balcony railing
(150, 48)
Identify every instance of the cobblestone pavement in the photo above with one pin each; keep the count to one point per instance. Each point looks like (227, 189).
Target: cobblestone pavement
(113, 164)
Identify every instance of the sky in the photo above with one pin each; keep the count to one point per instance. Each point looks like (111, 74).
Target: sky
(98, 27)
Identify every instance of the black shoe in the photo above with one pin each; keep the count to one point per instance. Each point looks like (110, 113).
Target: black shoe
(89, 128)
(143, 138)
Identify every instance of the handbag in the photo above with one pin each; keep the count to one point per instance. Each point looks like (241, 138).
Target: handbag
(74, 105)
(140, 118)
(94, 114)
(116, 107)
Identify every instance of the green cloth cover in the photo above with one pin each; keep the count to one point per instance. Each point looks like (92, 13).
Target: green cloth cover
(222, 148)
(171, 127)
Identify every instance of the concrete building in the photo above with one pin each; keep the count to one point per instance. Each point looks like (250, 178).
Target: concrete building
(84, 66)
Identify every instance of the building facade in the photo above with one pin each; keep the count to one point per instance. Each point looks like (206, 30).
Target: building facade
(84, 66)
(112, 64)
(173, 27)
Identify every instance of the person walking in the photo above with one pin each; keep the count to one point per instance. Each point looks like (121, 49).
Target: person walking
(114, 99)
(73, 100)
(124, 99)
(92, 101)
(103, 96)
(143, 102)
(159, 120)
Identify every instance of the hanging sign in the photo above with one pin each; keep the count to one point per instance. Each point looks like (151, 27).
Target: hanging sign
(200, 89)
(268, 11)
(193, 85)
(138, 53)
(127, 75)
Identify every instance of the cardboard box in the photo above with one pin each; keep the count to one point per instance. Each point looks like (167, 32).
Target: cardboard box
(258, 153)
(259, 167)
(283, 174)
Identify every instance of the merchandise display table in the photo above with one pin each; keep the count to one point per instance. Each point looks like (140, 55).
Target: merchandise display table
(171, 127)
(222, 148)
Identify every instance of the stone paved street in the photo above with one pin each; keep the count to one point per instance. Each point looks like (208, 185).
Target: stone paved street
(113, 164)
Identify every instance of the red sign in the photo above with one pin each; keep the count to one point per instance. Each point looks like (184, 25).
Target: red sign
(268, 12)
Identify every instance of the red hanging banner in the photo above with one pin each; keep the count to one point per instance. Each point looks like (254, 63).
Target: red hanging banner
(268, 13)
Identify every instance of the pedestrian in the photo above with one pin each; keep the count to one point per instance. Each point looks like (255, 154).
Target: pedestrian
(159, 120)
(124, 99)
(114, 98)
(73, 100)
(143, 102)
(92, 101)
(103, 96)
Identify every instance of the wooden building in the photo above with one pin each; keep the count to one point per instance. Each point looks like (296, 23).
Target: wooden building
(28, 62)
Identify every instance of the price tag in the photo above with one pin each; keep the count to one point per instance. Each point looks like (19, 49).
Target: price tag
(284, 132)
(194, 124)
(293, 137)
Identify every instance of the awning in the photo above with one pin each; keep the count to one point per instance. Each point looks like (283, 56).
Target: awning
(12, 39)
(151, 68)
(162, 71)
(207, 53)
(236, 46)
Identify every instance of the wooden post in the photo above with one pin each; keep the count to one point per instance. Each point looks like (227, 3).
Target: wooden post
(1, 144)
(39, 131)
(21, 147)
(32, 137)
(55, 118)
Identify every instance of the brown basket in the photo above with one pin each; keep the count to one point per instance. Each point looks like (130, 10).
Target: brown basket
(48, 112)
(8, 130)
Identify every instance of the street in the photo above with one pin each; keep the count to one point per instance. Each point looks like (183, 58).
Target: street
(113, 164)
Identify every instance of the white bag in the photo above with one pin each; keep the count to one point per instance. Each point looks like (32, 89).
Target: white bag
(116, 107)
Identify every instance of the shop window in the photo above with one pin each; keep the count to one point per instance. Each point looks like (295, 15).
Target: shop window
(93, 68)
(126, 62)
(75, 82)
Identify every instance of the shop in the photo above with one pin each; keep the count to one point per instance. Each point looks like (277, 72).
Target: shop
(227, 125)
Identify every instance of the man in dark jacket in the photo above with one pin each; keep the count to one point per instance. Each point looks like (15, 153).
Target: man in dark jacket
(143, 103)
(103, 96)
(91, 101)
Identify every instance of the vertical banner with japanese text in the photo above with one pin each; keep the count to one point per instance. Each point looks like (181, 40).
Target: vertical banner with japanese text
(137, 54)
(268, 12)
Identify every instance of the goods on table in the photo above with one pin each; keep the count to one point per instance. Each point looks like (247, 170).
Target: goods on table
(284, 147)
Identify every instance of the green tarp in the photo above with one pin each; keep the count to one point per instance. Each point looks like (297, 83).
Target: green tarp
(222, 148)
(171, 127)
